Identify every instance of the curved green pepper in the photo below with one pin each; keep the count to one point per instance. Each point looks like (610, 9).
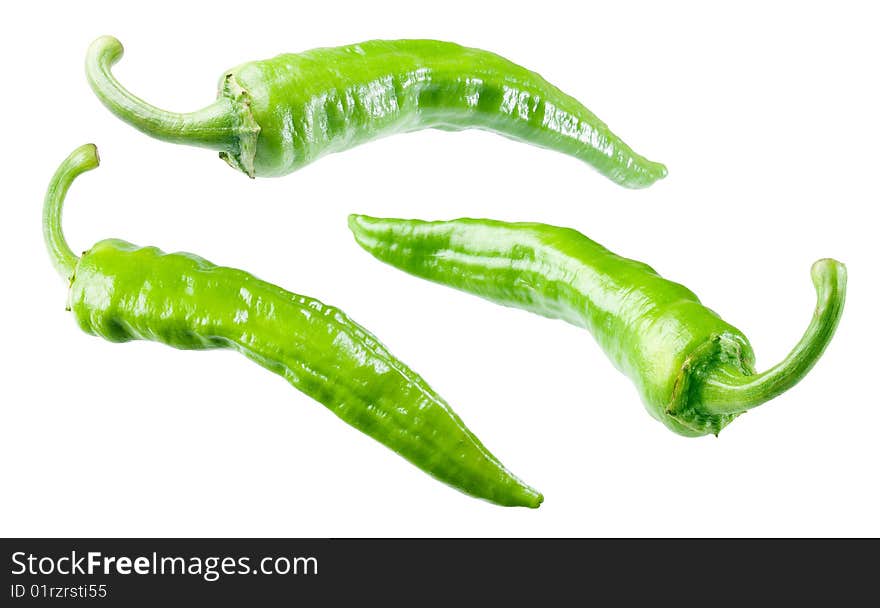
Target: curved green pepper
(122, 292)
(695, 373)
(275, 116)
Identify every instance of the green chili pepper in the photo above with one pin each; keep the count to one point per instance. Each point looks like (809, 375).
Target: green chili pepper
(122, 292)
(275, 116)
(694, 372)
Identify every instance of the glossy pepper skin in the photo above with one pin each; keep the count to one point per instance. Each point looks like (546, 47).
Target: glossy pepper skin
(275, 116)
(694, 372)
(122, 292)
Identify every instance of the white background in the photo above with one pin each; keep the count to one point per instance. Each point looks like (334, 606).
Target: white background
(765, 114)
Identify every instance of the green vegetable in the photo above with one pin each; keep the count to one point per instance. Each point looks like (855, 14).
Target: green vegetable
(275, 116)
(694, 372)
(123, 292)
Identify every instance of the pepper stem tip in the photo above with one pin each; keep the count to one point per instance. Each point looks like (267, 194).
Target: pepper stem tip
(211, 127)
(726, 391)
(85, 158)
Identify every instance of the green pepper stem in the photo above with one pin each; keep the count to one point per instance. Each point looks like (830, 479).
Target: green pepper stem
(85, 158)
(728, 391)
(212, 127)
